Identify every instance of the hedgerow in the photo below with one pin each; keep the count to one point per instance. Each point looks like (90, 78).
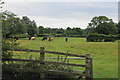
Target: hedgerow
(102, 38)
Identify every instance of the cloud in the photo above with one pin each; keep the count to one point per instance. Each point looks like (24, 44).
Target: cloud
(62, 14)
(61, 0)
(58, 22)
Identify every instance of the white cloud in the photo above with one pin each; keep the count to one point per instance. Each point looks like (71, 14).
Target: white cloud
(62, 15)
(81, 22)
(61, 0)
(60, 23)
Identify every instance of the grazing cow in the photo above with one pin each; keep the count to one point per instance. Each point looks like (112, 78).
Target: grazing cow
(44, 38)
(66, 39)
(15, 38)
(50, 39)
(32, 38)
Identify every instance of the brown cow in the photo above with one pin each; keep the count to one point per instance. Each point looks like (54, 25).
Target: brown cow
(32, 38)
(50, 39)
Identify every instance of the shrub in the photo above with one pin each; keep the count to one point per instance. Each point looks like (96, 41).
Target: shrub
(109, 38)
(53, 34)
(95, 37)
(9, 44)
(118, 37)
(101, 37)
(12, 75)
(20, 35)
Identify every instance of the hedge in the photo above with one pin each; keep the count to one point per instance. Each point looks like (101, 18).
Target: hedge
(20, 35)
(102, 38)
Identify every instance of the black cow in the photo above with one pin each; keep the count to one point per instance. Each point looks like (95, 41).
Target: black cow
(15, 38)
(44, 38)
(66, 39)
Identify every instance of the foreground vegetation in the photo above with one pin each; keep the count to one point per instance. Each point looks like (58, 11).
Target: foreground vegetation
(104, 54)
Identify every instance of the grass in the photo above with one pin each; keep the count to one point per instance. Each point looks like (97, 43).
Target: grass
(104, 54)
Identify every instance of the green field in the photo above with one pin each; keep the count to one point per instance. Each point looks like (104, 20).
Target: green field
(104, 54)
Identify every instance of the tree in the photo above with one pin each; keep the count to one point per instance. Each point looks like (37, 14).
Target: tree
(107, 28)
(1, 4)
(47, 30)
(9, 22)
(74, 31)
(118, 26)
(41, 29)
(34, 28)
(78, 31)
(31, 26)
(102, 25)
(12, 24)
(60, 31)
(68, 28)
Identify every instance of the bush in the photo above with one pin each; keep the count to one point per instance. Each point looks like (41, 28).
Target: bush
(20, 35)
(95, 37)
(9, 44)
(109, 38)
(118, 37)
(101, 37)
(23, 75)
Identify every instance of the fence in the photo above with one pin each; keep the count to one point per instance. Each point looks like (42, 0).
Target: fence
(87, 73)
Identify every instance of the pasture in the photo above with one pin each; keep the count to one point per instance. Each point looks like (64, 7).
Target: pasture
(104, 54)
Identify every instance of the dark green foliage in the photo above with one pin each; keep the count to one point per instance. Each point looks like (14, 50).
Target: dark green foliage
(31, 26)
(102, 25)
(5, 46)
(9, 44)
(20, 35)
(12, 24)
(109, 38)
(35, 75)
(118, 37)
(107, 28)
(74, 31)
(101, 37)
(68, 32)
(95, 37)
(118, 26)
(41, 30)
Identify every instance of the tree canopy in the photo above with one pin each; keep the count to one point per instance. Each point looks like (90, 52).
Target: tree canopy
(118, 26)
(11, 24)
(31, 26)
(102, 25)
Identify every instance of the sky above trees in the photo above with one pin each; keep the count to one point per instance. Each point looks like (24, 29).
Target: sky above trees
(63, 14)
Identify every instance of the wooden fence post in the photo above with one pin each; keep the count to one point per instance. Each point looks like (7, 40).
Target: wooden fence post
(91, 69)
(87, 71)
(42, 56)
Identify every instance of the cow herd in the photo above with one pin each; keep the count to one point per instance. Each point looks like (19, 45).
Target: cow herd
(43, 39)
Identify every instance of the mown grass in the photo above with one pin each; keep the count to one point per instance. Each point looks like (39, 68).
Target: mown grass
(104, 54)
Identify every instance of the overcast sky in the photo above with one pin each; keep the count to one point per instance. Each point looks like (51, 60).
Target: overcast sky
(63, 14)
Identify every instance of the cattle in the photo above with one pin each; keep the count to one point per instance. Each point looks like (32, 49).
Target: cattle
(66, 39)
(32, 38)
(44, 38)
(15, 38)
(50, 39)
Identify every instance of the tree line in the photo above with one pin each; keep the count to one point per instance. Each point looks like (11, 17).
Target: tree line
(11, 24)
(14, 25)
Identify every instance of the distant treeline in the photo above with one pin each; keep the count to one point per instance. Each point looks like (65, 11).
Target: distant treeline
(13, 25)
(47, 35)
(54, 31)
